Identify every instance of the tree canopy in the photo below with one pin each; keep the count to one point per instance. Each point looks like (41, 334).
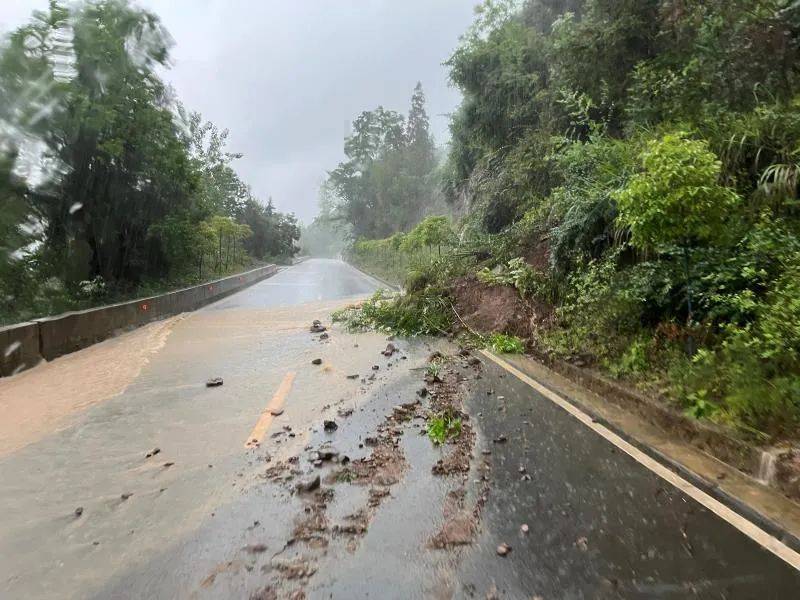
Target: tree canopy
(387, 182)
(103, 174)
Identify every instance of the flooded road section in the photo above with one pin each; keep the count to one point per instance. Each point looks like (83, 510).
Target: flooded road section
(136, 472)
(308, 474)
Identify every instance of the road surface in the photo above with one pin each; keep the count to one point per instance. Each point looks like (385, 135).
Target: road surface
(217, 512)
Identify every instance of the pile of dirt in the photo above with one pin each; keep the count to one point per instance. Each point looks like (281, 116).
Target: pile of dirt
(312, 529)
(497, 308)
(457, 452)
(460, 524)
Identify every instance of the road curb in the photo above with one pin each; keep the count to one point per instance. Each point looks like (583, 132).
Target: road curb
(768, 525)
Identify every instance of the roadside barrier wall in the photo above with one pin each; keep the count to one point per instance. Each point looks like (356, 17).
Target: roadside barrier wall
(23, 345)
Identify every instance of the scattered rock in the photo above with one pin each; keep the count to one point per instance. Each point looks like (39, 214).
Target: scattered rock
(582, 544)
(168, 464)
(474, 361)
(356, 376)
(324, 336)
(375, 367)
(500, 439)
(344, 412)
(152, 452)
(327, 454)
(215, 382)
(524, 528)
(276, 412)
(316, 361)
(309, 485)
(318, 327)
(330, 425)
(125, 496)
(503, 549)
(390, 350)
(78, 512)
(422, 392)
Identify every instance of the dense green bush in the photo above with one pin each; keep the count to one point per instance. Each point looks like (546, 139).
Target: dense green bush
(650, 149)
(635, 166)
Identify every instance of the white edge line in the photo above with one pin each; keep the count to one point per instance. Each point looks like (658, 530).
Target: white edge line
(747, 527)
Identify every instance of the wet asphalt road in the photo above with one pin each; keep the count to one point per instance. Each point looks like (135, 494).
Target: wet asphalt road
(601, 526)
(311, 281)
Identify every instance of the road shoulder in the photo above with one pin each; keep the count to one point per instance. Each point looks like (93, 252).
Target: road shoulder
(760, 504)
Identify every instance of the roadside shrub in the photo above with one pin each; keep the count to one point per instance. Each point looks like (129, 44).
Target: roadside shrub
(676, 199)
(583, 210)
(506, 344)
(519, 275)
(634, 360)
(754, 373)
(425, 313)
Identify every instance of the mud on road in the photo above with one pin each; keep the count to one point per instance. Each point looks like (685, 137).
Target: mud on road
(353, 467)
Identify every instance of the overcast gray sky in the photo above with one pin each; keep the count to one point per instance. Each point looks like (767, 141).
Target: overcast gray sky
(286, 76)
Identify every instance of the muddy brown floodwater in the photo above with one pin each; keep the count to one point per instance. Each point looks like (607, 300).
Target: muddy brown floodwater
(40, 401)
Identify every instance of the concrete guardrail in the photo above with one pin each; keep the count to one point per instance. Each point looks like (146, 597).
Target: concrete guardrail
(22, 346)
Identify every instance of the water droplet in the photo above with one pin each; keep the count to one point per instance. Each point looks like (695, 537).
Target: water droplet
(75, 208)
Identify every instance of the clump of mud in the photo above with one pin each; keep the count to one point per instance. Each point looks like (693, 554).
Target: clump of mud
(491, 308)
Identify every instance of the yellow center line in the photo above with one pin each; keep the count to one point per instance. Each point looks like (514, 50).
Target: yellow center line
(275, 405)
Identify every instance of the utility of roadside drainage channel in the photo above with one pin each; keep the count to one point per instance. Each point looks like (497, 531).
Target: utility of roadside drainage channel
(761, 529)
(766, 468)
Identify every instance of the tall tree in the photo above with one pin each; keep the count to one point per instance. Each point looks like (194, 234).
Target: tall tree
(386, 182)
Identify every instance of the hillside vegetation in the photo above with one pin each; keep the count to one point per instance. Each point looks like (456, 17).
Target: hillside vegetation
(631, 168)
